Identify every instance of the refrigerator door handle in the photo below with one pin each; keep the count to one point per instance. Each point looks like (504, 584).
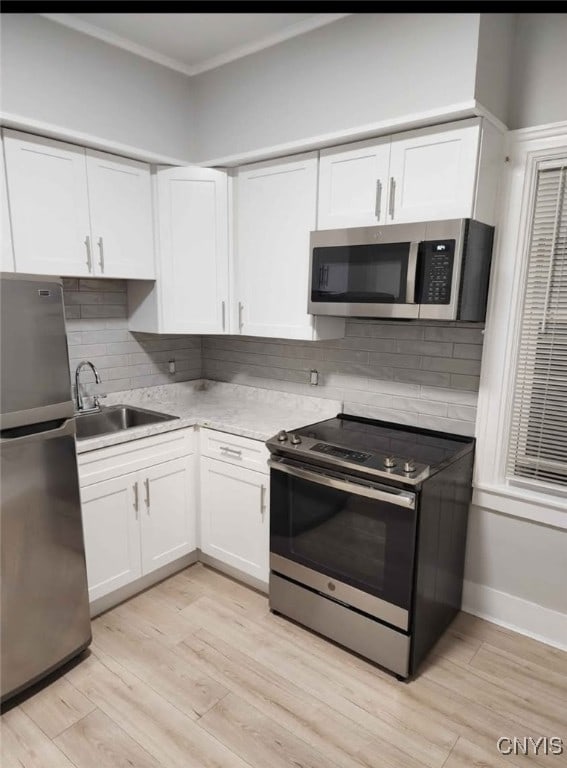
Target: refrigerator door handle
(67, 427)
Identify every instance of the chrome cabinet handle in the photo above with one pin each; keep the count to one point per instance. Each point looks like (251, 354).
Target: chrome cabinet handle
(378, 205)
(240, 309)
(136, 500)
(235, 451)
(147, 484)
(101, 259)
(262, 500)
(223, 307)
(89, 254)
(392, 201)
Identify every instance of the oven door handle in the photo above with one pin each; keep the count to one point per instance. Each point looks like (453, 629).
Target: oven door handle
(399, 498)
(412, 272)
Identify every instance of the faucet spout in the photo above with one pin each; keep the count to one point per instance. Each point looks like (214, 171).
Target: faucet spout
(82, 364)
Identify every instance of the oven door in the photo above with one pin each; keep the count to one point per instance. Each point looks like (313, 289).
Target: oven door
(365, 271)
(351, 541)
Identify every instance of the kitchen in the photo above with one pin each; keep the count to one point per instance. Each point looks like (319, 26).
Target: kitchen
(180, 207)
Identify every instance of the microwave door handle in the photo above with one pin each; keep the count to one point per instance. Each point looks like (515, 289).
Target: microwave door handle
(412, 273)
(399, 498)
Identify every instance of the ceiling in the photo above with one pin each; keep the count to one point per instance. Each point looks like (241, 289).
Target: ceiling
(193, 42)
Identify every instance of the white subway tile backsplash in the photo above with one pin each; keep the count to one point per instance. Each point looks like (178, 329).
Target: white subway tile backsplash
(414, 373)
(421, 373)
(454, 333)
(468, 351)
(97, 330)
(102, 310)
(463, 412)
(419, 405)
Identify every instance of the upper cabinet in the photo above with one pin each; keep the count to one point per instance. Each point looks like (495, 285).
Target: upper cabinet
(6, 251)
(120, 198)
(432, 173)
(191, 294)
(427, 174)
(77, 212)
(275, 210)
(49, 205)
(353, 184)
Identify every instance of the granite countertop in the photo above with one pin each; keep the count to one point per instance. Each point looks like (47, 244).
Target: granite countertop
(240, 410)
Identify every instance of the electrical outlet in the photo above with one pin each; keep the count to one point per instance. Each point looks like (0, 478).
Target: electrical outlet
(172, 366)
(314, 378)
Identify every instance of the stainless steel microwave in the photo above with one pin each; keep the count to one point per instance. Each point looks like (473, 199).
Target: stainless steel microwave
(434, 270)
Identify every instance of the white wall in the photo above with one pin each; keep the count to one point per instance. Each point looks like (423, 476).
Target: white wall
(362, 69)
(494, 62)
(518, 557)
(539, 70)
(54, 74)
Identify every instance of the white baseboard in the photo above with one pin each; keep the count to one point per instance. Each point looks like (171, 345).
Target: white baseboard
(536, 621)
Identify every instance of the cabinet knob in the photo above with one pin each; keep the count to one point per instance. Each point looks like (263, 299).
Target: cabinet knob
(390, 462)
(282, 436)
(295, 440)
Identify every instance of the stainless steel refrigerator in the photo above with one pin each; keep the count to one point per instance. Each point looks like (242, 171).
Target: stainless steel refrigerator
(45, 608)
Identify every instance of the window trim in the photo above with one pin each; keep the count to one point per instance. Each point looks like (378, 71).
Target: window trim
(528, 150)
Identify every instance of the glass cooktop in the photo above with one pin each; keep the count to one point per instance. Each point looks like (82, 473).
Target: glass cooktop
(364, 438)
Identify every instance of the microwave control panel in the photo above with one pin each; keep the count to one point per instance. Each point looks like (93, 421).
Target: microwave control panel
(436, 258)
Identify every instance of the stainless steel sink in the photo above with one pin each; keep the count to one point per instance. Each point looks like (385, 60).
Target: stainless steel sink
(115, 418)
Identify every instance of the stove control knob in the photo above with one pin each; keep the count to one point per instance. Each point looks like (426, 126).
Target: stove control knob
(282, 436)
(295, 439)
(389, 462)
(409, 466)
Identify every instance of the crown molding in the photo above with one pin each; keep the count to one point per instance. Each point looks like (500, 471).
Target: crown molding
(82, 139)
(293, 30)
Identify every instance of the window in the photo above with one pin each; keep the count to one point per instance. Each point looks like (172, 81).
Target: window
(538, 434)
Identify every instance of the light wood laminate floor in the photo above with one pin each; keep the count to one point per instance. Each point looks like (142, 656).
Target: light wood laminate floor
(196, 673)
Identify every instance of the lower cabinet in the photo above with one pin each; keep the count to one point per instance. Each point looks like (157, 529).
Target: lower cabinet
(112, 534)
(140, 506)
(135, 522)
(235, 525)
(167, 512)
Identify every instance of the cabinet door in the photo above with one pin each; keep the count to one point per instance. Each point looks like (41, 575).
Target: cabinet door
(276, 210)
(353, 184)
(120, 197)
(6, 252)
(47, 191)
(193, 248)
(235, 524)
(168, 512)
(433, 173)
(112, 533)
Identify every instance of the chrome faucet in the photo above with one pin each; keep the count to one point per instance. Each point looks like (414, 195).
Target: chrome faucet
(96, 398)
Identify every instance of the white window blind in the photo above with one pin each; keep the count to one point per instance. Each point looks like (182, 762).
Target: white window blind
(538, 434)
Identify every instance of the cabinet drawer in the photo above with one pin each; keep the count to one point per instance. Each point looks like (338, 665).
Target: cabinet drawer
(105, 463)
(241, 451)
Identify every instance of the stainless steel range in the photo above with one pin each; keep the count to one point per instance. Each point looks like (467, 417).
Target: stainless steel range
(368, 525)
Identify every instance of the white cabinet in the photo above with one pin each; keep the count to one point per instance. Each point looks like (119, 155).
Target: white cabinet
(120, 200)
(168, 519)
(445, 172)
(433, 173)
(275, 210)
(235, 524)
(49, 206)
(6, 251)
(191, 294)
(139, 508)
(112, 534)
(78, 212)
(353, 184)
